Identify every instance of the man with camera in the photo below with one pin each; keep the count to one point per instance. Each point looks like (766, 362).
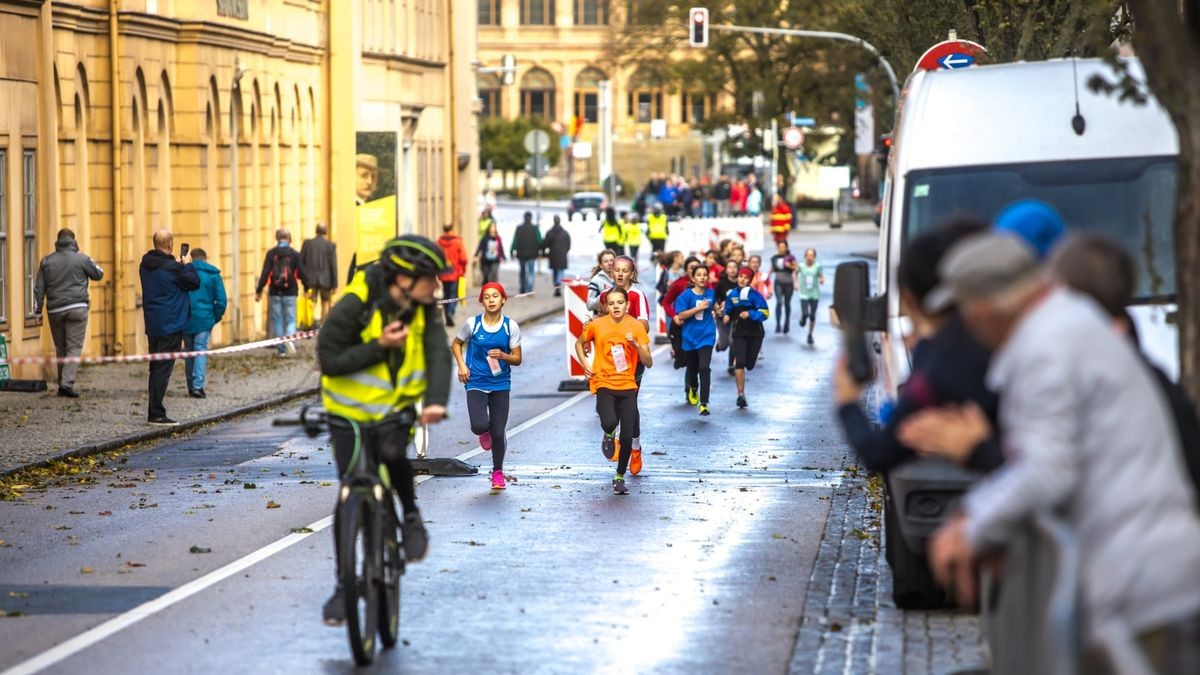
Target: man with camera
(166, 309)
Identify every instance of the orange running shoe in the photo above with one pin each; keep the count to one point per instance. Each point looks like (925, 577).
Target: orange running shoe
(635, 462)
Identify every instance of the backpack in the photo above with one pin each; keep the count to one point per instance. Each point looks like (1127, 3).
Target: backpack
(282, 272)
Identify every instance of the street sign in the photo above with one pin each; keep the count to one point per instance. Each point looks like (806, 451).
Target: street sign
(508, 68)
(803, 121)
(793, 137)
(951, 55)
(537, 142)
(537, 166)
(581, 150)
(4, 371)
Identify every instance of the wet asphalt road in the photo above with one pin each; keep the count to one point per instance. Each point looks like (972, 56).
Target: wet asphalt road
(702, 568)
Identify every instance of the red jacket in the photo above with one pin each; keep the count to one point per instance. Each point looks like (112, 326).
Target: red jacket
(456, 256)
(673, 291)
(781, 217)
(738, 195)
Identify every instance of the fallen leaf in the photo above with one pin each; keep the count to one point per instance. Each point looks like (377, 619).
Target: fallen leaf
(130, 563)
(660, 453)
(526, 510)
(249, 486)
(104, 513)
(85, 570)
(198, 549)
(15, 594)
(272, 505)
(301, 530)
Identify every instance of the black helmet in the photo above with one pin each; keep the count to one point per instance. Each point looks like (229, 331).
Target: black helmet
(414, 256)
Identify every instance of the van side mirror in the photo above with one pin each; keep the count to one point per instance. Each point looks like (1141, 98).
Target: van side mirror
(852, 301)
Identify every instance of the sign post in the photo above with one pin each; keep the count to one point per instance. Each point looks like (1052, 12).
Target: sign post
(537, 142)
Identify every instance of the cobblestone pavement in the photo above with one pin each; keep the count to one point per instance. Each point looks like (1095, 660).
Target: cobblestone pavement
(39, 427)
(850, 624)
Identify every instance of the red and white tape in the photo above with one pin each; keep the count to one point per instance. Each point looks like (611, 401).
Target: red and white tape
(163, 356)
(451, 301)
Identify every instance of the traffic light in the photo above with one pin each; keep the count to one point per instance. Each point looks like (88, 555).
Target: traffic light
(698, 26)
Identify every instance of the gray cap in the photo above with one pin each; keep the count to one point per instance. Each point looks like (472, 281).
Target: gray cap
(980, 266)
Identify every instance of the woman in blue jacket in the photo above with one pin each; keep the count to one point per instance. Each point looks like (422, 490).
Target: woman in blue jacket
(745, 311)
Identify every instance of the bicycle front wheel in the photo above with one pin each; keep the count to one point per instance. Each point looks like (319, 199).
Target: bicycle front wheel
(359, 569)
(389, 587)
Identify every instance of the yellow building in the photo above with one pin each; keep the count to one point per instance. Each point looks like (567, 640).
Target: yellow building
(271, 92)
(560, 48)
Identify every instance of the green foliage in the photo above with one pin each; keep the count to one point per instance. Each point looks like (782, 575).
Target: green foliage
(503, 142)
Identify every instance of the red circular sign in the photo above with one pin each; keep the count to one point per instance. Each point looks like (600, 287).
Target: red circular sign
(950, 55)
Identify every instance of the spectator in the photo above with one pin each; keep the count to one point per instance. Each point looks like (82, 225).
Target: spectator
(687, 198)
(754, 198)
(722, 195)
(456, 257)
(1069, 387)
(737, 197)
(208, 306)
(486, 220)
(165, 312)
(526, 245)
(318, 259)
(557, 247)
(281, 275)
(62, 286)
(668, 194)
(781, 219)
(489, 254)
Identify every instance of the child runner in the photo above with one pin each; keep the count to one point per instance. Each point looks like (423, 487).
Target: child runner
(811, 275)
(601, 279)
(784, 265)
(638, 307)
(762, 280)
(493, 346)
(698, 334)
(722, 285)
(677, 287)
(616, 341)
(745, 310)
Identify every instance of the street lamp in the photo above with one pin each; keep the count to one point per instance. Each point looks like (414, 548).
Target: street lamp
(235, 113)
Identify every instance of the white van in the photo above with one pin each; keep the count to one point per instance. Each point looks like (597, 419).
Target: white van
(974, 141)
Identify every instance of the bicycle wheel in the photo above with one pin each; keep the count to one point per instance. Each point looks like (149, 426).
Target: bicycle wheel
(389, 588)
(359, 570)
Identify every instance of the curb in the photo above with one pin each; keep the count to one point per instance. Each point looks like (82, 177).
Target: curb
(163, 432)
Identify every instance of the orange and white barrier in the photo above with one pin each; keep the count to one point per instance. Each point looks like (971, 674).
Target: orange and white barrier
(660, 321)
(577, 314)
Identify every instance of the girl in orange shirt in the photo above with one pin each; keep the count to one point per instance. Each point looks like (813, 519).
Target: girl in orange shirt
(617, 339)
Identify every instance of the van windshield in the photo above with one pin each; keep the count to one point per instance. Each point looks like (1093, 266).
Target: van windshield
(1129, 199)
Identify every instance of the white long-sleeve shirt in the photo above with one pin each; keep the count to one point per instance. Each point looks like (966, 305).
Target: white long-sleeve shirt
(1088, 435)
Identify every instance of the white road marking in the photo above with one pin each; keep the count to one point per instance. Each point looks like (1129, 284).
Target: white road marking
(145, 610)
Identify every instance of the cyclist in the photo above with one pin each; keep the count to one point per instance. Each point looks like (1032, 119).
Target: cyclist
(382, 351)
(745, 312)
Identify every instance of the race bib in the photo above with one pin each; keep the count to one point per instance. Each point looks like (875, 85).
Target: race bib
(810, 281)
(619, 362)
(494, 364)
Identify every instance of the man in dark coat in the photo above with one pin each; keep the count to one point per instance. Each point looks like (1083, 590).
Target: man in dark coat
(557, 246)
(318, 259)
(166, 309)
(62, 287)
(526, 245)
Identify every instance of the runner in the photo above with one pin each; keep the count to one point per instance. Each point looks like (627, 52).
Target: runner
(601, 280)
(784, 265)
(811, 276)
(727, 282)
(698, 334)
(617, 340)
(638, 306)
(745, 311)
(715, 264)
(493, 347)
(677, 287)
(762, 280)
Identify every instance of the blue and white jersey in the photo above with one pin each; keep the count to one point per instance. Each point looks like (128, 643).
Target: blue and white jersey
(480, 338)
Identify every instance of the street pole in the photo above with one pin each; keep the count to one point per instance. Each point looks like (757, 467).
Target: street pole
(236, 108)
(774, 155)
(827, 35)
(605, 105)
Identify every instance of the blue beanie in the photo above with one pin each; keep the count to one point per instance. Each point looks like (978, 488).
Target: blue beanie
(1036, 222)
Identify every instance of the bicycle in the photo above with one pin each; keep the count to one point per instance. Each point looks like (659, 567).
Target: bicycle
(369, 542)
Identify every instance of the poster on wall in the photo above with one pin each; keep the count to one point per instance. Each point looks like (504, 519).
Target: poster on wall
(375, 192)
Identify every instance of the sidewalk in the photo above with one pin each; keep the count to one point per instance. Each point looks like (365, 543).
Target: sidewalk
(111, 411)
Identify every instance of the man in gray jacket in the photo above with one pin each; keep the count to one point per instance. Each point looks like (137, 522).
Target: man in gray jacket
(318, 259)
(1087, 435)
(62, 286)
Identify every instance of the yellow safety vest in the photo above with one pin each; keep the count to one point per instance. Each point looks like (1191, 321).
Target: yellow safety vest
(656, 226)
(633, 233)
(484, 223)
(371, 394)
(613, 233)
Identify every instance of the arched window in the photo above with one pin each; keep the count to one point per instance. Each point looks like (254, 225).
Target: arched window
(489, 94)
(645, 98)
(537, 12)
(537, 94)
(587, 94)
(488, 12)
(697, 107)
(591, 12)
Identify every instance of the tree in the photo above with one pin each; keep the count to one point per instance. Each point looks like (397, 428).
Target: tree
(1166, 37)
(502, 142)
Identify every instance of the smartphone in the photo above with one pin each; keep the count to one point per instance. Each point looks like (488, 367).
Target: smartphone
(183, 250)
(861, 367)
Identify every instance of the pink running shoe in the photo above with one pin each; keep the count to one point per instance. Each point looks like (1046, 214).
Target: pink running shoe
(485, 441)
(498, 480)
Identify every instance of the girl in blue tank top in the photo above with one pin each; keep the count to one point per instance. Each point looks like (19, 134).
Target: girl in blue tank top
(492, 347)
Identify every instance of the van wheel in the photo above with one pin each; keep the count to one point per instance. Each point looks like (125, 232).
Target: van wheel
(913, 586)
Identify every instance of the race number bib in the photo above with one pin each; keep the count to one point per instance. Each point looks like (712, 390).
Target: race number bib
(619, 362)
(494, 364)
(810, 281)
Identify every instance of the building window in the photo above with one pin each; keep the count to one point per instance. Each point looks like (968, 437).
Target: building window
(537, 94)
(537, 12)
(489, 95)
(489, 12)
(29, 214)
(645, 98)
(697, 107)
(3, 236)
(587, 95)
(591, 12)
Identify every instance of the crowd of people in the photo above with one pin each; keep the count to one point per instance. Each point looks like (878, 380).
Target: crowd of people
(702, 197)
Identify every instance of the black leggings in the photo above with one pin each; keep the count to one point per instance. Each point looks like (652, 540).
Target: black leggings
(619, 407)
(675, 332)
(388, 441)
(808, 310)
(488, 412)
(699, 371)
(783, 304)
